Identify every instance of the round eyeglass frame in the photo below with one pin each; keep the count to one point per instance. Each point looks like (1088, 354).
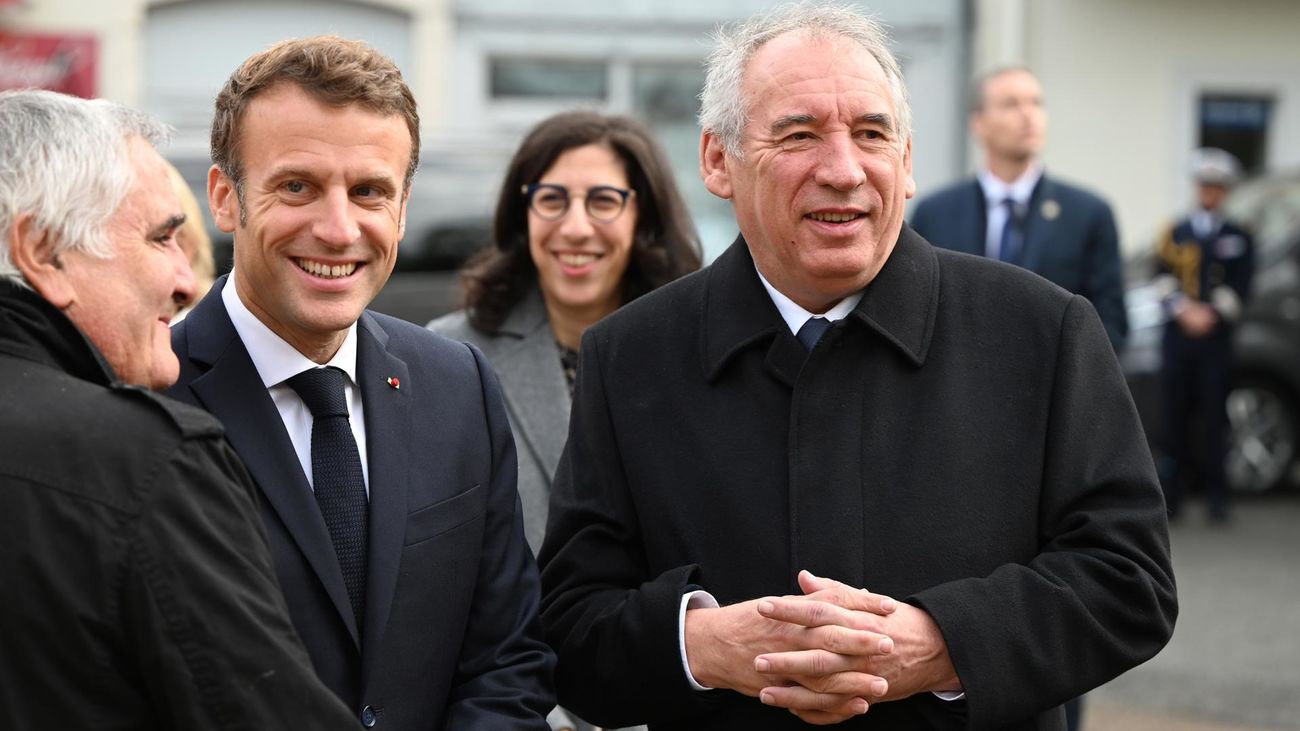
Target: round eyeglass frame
(530, 190)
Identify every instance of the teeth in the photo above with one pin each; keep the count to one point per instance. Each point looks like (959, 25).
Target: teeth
(833, 217)
(324, 270)
(577, 260)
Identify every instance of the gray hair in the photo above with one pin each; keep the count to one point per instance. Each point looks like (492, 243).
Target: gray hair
(65, 161)
(725, 111)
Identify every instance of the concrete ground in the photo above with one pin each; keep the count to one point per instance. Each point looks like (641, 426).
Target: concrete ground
(1234, 661)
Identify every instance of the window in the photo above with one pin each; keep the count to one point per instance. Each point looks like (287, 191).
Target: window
(548, 78)
(1239, 124)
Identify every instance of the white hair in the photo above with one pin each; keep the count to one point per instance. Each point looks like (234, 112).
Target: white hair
(724, 110)
(64, 161)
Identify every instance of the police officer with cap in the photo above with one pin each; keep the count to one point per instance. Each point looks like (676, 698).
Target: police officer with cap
(1204, 269)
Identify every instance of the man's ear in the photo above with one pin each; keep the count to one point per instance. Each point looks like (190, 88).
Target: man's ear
(222, 200)
(907, 167)
(713, 165)
(31, 250)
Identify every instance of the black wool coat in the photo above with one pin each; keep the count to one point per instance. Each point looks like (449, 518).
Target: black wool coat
(963, 441)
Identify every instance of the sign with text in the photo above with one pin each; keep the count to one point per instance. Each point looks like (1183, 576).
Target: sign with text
(63, 63)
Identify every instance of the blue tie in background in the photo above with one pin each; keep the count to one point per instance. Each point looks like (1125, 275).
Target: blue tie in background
(336, 476)
(812, 331)
(1013, 233)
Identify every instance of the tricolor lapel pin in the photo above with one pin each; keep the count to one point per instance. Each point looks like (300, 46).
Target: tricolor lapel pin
(394, 382)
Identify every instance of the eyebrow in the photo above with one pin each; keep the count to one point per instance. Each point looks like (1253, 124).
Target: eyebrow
(790, 120)
(171, 224)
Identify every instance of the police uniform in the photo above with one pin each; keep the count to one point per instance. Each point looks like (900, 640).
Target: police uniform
(1203, 258)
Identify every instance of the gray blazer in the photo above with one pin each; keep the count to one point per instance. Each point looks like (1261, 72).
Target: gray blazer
(527, 361)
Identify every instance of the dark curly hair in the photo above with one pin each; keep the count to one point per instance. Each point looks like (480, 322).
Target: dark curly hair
(664, 244)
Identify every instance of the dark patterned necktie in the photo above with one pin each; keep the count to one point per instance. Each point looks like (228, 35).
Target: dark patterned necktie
(336, 476)
(1013, 233)
(812, 331)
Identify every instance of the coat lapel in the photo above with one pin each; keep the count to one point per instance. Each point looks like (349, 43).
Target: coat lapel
(533, 382)
(1038, 228)
(232, 391)
(385, 385)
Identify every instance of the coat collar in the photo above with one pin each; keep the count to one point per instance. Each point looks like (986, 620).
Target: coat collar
(33, 329)
(527, 361)
(899, 305)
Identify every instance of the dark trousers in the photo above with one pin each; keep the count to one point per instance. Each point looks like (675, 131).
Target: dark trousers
(1195, 378)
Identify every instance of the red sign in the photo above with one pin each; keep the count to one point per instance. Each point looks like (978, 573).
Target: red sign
(63, 63)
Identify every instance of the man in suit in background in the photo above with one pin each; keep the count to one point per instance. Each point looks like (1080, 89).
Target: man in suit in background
(1014, 212)
(834, 395)
(382, 451)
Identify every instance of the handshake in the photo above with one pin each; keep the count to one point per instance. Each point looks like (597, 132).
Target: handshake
(827, 655)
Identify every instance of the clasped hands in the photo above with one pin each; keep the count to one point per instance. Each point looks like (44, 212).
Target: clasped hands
(825, 656)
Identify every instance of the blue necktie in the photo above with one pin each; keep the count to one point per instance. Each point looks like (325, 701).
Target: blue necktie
(1013, 234)
(336, 476)
(812, 331)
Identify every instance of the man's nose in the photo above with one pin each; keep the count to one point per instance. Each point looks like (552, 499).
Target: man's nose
(840, 166)
(185, 286)
(335, 223)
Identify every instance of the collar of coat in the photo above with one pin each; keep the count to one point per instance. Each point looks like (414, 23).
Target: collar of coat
(33, 329)
(899, 306)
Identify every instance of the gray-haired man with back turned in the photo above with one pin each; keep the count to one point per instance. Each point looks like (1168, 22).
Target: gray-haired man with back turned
(139, 581)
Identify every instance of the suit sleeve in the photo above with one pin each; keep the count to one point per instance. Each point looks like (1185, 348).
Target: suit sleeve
(504, 679)
(1099, 596)
(203, 610)
(619, 661)
(1104, 284)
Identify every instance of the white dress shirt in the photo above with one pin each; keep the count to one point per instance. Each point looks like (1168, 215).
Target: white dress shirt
(995, 193)
(277, 361)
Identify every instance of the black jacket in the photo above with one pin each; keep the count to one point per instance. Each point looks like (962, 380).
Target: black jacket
(139, 588)
(963, 441)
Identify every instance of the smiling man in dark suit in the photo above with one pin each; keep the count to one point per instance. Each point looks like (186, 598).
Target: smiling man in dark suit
(1014, 212)
(836, 404)
(382, 451)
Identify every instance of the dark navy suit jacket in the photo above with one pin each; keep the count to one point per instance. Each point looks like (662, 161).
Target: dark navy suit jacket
(451, 637)
(1070, 240)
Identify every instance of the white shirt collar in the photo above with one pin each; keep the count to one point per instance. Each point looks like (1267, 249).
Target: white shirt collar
(795, 316)
(276, 360)
(1018, 190)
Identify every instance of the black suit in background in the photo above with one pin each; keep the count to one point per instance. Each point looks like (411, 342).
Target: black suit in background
(450, 638)
(1070, 239)
(963, 440)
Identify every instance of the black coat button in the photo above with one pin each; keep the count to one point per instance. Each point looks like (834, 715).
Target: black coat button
(368, 717)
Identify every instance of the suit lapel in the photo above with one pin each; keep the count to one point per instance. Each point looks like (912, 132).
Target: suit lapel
(387, 406)
(1037, 227)
(533, 382)
(232, 391)
(975, 218)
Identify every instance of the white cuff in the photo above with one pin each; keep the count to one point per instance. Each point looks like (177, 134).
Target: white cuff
(1226, 302)
(693, 600)
(949, 695)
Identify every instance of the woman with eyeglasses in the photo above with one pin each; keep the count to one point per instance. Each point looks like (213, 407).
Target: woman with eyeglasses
(588, 219)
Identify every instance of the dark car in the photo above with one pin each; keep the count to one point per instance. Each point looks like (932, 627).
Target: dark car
(1264, 404)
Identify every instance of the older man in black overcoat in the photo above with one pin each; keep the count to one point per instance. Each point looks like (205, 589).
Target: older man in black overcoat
(835, 404)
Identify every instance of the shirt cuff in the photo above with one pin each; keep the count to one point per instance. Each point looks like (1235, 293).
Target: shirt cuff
(949, 695)
(693, 600)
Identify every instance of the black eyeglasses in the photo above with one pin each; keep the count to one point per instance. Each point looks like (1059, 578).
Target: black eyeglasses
(604, 203)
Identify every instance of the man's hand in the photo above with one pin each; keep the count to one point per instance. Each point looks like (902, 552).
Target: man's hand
(918, 663)
(722, 645)
(1197, 319)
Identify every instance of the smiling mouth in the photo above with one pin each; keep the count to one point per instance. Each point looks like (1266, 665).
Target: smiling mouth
(835, 217)
(326, 271)
(576, 260)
